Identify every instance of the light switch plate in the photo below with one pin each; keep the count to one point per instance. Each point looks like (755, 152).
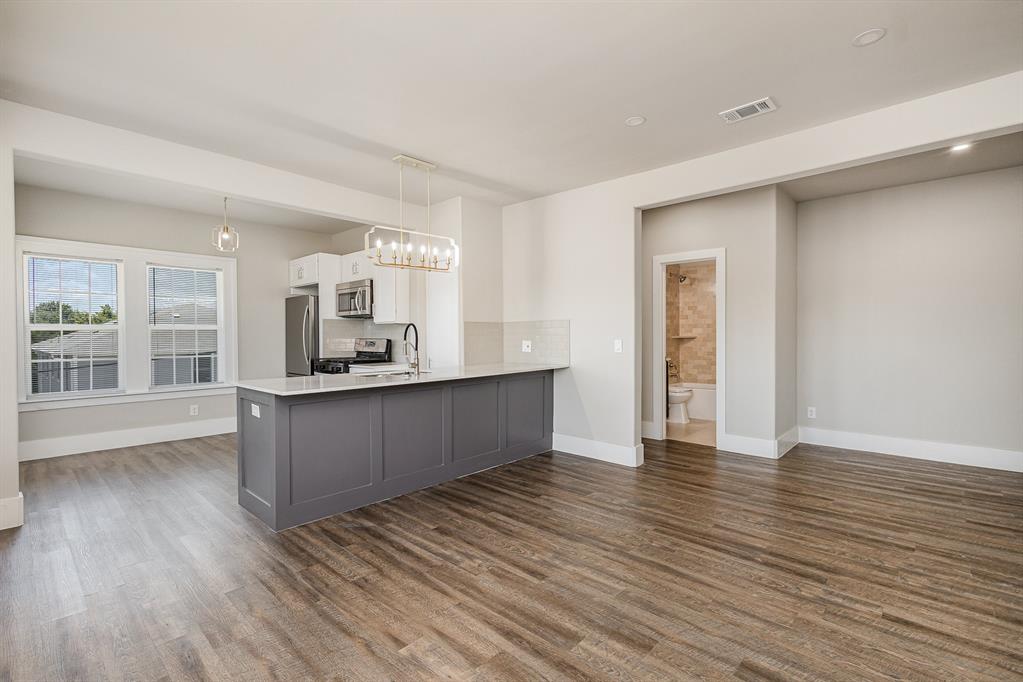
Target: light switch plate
(618, 345)
(254, 408)
(527, 346)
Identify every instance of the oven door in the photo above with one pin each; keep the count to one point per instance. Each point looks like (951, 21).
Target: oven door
(355, 299)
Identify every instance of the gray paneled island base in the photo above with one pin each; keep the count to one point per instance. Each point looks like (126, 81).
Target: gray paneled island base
(311, 447)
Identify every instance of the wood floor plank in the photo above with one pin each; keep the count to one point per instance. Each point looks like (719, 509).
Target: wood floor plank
(827, 564)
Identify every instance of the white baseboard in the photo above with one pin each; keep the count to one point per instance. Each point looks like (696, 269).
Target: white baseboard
(745, 445)
(648, 430)
(970, 455)
(12, 511)
(788, 440)
(123, 438)
(626, 455)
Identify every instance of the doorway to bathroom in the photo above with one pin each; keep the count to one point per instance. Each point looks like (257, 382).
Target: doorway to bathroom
(689, 340)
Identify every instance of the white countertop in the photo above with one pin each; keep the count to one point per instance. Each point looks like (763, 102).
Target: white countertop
(328, 383)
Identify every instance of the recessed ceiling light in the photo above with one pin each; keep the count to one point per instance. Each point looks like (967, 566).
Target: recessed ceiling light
(869, 37)
(633, 121)
(961, 147)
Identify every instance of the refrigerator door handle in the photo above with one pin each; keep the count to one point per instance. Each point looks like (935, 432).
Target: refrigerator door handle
(305, 333)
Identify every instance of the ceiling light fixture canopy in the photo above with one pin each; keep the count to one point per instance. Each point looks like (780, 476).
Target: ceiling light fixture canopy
(400, 247)
(962, 146)
(633, 121)
(869, 37)
(225, 237)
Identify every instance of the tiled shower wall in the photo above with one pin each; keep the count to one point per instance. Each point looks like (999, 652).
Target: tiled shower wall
(690, 322)
(487, 342)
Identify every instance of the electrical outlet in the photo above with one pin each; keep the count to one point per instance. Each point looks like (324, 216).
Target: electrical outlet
(527, 346)
(254, 408)
(193, 410)
(811, 413)
(618, 345)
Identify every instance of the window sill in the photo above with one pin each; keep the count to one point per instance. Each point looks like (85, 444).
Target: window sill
(64, 402)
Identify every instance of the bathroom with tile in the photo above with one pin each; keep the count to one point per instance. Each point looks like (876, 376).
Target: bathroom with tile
(690, 362)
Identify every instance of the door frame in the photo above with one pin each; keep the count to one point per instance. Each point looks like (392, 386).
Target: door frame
(659, 312)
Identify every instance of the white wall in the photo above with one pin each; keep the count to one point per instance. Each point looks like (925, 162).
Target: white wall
(911, 311)
(482, 264)
(574, 255)
(571, 257)
(744, 224)
(11, 503)
(443, 303)
(349, 241)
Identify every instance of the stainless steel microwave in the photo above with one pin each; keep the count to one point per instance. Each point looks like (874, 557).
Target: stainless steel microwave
(355, 299)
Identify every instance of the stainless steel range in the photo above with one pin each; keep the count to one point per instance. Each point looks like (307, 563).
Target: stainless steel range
(366, 352)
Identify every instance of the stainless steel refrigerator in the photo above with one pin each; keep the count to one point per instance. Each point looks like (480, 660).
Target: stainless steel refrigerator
(301, 335)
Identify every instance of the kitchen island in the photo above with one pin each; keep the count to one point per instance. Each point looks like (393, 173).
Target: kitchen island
(314, 446)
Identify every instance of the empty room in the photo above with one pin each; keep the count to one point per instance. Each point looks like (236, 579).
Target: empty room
(671, 340)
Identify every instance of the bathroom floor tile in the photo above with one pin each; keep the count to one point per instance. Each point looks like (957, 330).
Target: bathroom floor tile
(698, 431)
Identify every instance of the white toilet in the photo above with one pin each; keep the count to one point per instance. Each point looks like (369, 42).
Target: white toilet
(678, 396)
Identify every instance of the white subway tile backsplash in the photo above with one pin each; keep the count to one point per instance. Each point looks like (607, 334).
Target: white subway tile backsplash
(487, 342)
(550, 341)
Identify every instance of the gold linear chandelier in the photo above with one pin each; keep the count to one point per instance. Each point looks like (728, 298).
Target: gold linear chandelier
(399, 247)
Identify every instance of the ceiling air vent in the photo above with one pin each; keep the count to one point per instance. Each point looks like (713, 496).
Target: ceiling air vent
(754, 108)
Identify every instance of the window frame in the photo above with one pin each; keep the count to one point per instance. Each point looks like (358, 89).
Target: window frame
(220, 328)
(133, 321)
(26, 326)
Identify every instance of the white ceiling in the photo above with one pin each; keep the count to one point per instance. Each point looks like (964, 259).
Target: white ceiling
(511, 99)
(993, 153)
(139, 190)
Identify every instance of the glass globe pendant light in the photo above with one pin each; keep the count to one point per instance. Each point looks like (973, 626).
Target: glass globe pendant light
(225, 237)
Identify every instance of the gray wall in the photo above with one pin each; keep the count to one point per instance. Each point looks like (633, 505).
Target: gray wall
(743, 223)
(262, 285)
(785, 315)
(910, 311)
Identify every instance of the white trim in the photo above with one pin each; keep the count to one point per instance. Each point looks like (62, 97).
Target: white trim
(12, 511)
(788, 440)
(626, 455)
(659, 270)
(746, 445)
(969, 455)
(123, 438)
(168, 393)
(649, 431)
(62, 252)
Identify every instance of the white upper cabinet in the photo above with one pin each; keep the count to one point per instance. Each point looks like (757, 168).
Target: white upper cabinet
(392, 295)
(354, 266)
(304, 271)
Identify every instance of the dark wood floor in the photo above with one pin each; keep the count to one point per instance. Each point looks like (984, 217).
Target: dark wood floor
(827, 564)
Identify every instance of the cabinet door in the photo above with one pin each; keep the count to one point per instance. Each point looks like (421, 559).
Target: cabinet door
(354, 266)
(391, 294)
(303, 271)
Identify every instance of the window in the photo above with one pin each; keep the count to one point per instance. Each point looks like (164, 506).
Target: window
(184, 329)
(111, 324)
(71, 311)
